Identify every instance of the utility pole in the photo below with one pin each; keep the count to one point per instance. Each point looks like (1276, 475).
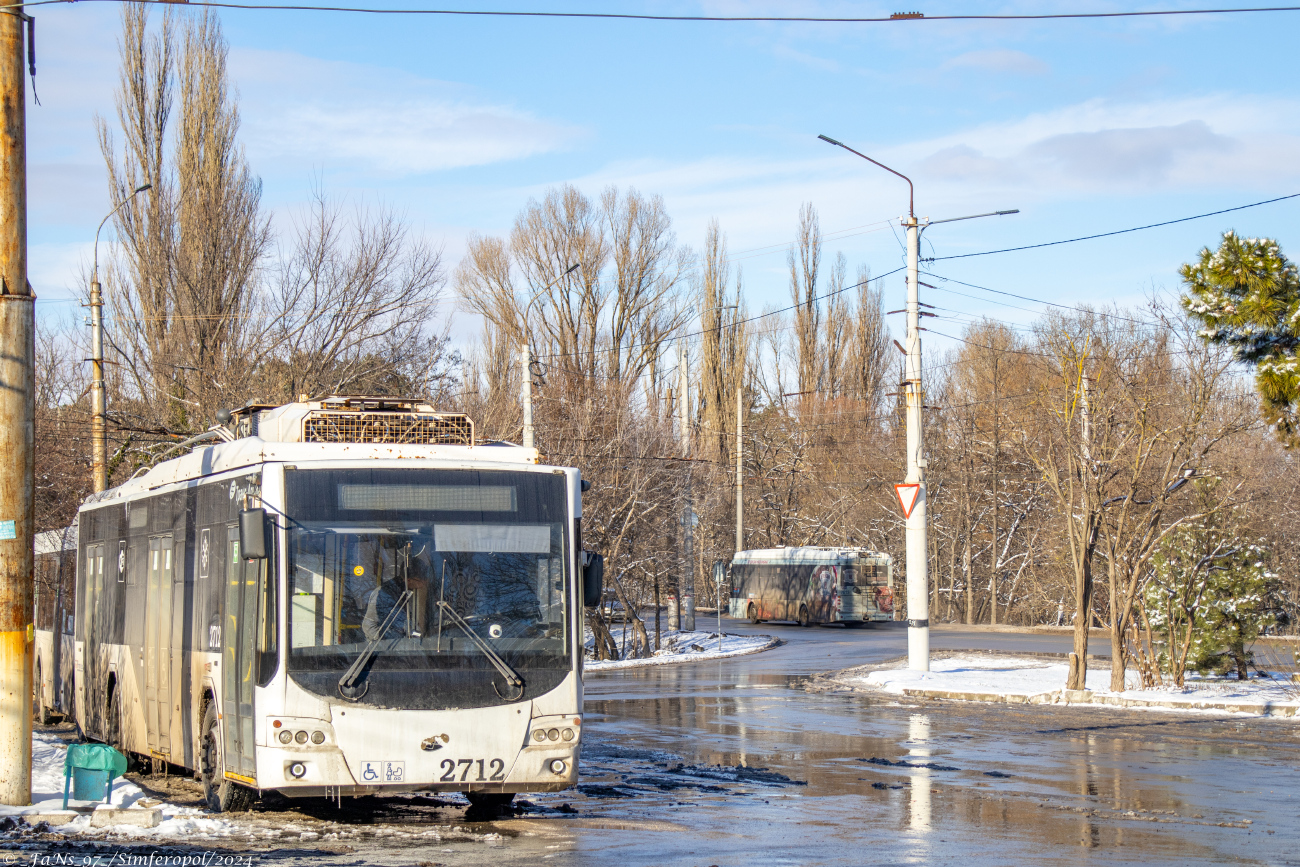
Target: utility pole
(526, 359)
(526, 396)
(98, 399)
(740, 442)
(918, 585)
(686, 603)
(997, 447)
(17, 440)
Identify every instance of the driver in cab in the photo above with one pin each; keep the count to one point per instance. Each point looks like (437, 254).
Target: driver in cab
(385, 597)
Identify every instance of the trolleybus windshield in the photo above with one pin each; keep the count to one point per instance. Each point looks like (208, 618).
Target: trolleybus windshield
(427, 588)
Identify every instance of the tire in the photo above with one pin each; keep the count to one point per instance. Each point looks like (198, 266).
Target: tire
(752, 614)
(221, 795)
(804, 619)
(40, 713)
(492, 803)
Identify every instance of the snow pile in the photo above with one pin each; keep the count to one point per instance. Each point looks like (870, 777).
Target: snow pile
(48, 752)
(678, 646)
(1004, 675)
(1028, 677)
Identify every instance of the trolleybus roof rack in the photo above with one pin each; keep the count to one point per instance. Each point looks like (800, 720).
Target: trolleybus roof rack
(380, 420)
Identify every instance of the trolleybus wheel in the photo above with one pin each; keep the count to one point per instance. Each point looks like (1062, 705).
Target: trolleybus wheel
(804, 619)
(490, 802)
(752, 614)
(222, 795)
(40, 713)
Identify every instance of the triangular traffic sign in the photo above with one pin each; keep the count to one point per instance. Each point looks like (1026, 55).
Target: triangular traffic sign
(907, 497)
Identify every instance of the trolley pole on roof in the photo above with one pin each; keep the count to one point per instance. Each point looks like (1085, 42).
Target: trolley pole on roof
(17, 441)
(918, 584)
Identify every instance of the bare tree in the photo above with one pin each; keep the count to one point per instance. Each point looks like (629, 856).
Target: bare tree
(805, 261)
(193, 243)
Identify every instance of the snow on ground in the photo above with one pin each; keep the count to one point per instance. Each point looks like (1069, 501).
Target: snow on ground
(48, 752)
(1027, 676)
(675, 646)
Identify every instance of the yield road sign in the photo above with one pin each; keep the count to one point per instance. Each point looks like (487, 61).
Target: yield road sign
(907, 497)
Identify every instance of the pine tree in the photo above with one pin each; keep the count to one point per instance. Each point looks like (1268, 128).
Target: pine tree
(1210, 596)
(1246, 294)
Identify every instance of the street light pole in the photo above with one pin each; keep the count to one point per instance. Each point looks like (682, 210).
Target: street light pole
(918, 585)
(98, 403)
(526, 360)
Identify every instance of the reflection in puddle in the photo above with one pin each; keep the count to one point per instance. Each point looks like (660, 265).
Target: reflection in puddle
(991, 784)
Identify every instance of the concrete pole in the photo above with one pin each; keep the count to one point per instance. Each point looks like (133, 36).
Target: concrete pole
(687, 601)
(740, 458)
(17, 442)
(526, 393)
(98, 404)
(918, 589)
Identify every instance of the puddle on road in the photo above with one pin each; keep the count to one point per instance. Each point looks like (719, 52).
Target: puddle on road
(933, 781)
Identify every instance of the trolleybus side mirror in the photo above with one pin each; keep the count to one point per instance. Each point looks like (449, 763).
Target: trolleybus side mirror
(593, 578)
(253, 534)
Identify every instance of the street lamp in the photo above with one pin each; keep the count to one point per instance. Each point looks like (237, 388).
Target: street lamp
(918, 585)
(526, 358)
(98, 437)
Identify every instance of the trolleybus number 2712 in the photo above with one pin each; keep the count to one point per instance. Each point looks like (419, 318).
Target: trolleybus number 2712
(332, 580)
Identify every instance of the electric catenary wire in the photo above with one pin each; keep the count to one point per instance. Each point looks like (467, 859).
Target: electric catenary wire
(720, 19)
(1116, 232)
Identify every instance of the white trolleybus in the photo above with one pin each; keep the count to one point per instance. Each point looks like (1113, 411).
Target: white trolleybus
(853, 586)
(339, 597)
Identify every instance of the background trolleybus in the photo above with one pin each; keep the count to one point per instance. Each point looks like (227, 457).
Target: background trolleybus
(853, 586)
(339, 597)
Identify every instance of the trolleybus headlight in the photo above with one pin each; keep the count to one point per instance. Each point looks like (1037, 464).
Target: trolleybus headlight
(567, 734)
(558, 766)
(553, 734)
(286, 736)
(318, 737)
(297, 770)
(301, 737)
(539, 735)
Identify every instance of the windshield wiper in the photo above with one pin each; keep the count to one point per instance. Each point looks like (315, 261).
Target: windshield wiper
(511, 676)
(348, 682)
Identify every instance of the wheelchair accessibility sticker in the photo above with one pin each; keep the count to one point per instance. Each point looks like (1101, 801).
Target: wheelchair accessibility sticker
(383, 772)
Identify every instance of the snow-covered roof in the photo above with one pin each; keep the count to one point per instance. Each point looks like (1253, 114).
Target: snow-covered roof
(53, 541)
(807, 554)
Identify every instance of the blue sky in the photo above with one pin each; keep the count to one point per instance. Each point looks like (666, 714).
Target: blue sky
(1085, 126)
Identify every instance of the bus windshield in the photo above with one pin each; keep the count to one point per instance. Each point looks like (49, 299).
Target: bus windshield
(427, 588)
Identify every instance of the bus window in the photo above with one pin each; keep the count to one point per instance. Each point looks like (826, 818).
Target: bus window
(268, 620)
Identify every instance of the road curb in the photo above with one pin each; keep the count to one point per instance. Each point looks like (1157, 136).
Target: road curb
(847, 679)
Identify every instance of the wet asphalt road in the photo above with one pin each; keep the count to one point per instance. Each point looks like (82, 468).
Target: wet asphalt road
(735, 762)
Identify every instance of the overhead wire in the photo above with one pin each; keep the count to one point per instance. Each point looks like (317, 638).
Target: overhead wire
(1111, 234)
(905, 18)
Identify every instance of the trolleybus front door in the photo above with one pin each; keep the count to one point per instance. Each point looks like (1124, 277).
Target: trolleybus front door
(238, 657)
(158, 645)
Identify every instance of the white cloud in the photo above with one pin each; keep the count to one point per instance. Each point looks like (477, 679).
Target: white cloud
(1102, 145)
(999, 60)
(333, 115)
